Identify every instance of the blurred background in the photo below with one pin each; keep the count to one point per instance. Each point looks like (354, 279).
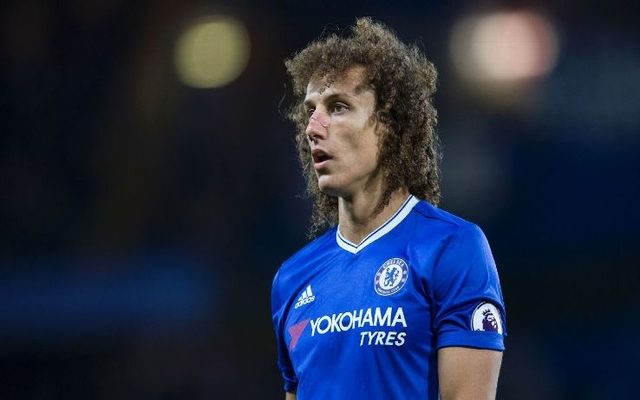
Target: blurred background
(150, 188)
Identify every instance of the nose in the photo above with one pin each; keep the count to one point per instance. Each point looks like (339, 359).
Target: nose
(318, 126)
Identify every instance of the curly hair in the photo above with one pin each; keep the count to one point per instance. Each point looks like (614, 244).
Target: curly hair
(403, 81)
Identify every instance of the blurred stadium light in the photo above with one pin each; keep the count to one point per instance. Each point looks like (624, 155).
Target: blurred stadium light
(212, 52)
(501, 52)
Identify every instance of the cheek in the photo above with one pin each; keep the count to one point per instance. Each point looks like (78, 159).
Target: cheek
(372, 157)
(368, 149)
(362, 158)
(360, 147)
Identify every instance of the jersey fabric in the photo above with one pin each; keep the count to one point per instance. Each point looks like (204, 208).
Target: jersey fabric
(365, 321)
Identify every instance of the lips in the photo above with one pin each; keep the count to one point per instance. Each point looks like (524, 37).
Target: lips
(320, 157)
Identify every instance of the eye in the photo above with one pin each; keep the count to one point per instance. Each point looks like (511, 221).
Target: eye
(339, 108)
(310, 112)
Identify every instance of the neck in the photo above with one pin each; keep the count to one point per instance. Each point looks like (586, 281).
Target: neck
(358, 215)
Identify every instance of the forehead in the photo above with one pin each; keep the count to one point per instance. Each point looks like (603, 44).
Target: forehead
(349, 82)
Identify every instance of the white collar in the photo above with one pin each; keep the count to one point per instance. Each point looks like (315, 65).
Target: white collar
(379, 232)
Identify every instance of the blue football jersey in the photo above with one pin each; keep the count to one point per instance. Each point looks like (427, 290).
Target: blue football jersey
(365, 321)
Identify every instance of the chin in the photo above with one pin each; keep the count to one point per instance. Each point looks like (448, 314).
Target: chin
(330, 187)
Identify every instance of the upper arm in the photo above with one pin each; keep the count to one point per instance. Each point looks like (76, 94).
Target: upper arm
(468, 305)
(469, 318)
(466, 373)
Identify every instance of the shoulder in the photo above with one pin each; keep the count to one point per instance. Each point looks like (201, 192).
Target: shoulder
(435, 222)
(441, 241)
(297, 269)
(295, 264)
(452, 248)
(310, 250)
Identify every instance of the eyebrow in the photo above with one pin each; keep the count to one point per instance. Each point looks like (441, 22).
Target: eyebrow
(308, 103)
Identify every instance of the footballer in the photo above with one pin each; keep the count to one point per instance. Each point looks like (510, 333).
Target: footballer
(394, 298)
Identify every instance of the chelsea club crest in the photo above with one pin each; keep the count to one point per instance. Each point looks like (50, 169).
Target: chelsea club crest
(391, 277)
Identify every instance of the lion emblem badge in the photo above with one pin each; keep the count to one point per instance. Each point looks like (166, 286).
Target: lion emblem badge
(391, 277)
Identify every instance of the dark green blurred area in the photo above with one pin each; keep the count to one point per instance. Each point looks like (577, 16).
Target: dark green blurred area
(142, 220)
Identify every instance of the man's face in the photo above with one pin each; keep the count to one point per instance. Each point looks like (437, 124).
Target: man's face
(342, 133)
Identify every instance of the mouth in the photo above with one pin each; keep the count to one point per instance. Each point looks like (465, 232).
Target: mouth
(320, 157)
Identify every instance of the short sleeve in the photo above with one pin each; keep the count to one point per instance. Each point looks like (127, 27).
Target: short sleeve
(469, 308)
(278, 318)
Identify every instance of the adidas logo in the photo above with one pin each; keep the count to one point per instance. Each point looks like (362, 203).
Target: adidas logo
(305, 298)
